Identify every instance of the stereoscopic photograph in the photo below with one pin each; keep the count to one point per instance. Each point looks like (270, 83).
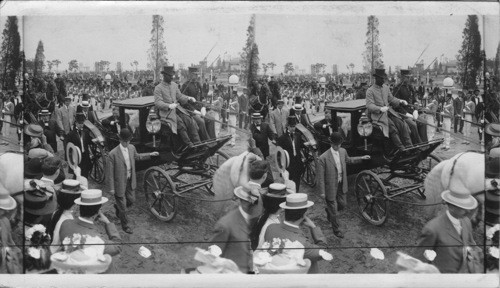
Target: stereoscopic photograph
(250, 138)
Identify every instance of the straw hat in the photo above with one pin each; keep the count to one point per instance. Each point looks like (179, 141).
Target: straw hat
(277, 190)
(296, 201)
(70, 186)
(33, 130)
(91, 197)
(462, 200)
(245, 194)
(38, 202)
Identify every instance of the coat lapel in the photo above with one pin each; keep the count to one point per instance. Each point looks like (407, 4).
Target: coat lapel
(120, 154)
(451, 229)
(331, 160)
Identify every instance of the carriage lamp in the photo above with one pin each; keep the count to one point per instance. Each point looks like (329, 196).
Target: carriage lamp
(234, 80)
(153, 124)
(365, 128)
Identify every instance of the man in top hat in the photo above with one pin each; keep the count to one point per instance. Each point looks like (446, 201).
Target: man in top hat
(90, 203)
(86, 108)
(65, 117)
(292, 143)
(295, 206)
(378, 102)
(261, 132)
(81, 138)
(450, 234)
(121, 177)
(192, 87)
(331, 178)
(232, 231)
(167, 96)
(278, 118)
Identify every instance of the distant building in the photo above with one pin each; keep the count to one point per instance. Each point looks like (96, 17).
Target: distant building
(335, 70)
(96, 67)
(234, 64)
(451, 66)
(118, 67)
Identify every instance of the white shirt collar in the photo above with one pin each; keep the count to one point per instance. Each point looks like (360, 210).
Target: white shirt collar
(290, 224)
(334, 152)
(85, 220)
(453, 220)
(123, 148)
(245, 214)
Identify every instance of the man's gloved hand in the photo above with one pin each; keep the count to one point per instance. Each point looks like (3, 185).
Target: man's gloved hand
(172, 106)
(403, 102)
(191, 99)
(197, 112)
(384, 109)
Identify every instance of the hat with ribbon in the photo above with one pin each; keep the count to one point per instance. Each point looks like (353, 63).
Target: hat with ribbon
(85, 104)
(33, 130)
(277, 190)
(298, 107)
(6, 201)
(91, 197)
(70, 186)
(296, 201)
(39, 199)
(169, 70)
(249, 195)
(493, 129)
(256, 116)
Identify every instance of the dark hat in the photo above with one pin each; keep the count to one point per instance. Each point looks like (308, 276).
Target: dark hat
(33, 130)
(80, 117)
(291, 121)
(41, 200)
(298, 99)
(493, 168)
(193, 69)
(33, 168)
(168, 70)
(493, 129)
(380, 73)
(404, 72)
(336, 138)
(125, 134)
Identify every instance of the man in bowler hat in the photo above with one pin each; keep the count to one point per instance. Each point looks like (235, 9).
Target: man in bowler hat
(332, 179)
(120, 177)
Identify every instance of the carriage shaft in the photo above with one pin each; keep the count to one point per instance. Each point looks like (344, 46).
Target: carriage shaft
(192, 186)
(403, 190)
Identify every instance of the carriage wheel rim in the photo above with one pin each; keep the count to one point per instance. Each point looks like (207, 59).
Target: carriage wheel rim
(368, 187)
(160, 198)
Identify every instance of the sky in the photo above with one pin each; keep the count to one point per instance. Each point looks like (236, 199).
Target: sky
(302, 39)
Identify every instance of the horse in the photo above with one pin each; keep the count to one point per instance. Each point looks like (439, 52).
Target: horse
(11, 178)
(464, 171)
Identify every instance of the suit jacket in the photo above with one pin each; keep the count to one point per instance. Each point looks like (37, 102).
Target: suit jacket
(327, 175)
(166, 94)
(377, 97)
(441, 236)
(232, 235)
(65, 118)
(116, 176)
(262, 136)
(296, 166)
(74, 137)
(311, 252)
(72, 226)
(278, 120)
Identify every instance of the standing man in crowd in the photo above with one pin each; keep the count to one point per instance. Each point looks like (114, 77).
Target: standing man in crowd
(458, 106)
(332, 179)
(292, 143)
(447, 115)
(65, 117)
(243, 103)
(121, 175)
(261, 132)
(278, 118)
(205, 89)
(81, 138)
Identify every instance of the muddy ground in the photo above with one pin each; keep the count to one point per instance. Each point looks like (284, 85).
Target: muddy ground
(173, 244)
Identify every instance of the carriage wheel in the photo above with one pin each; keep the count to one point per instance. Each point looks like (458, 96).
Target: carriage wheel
(97, 170)
(309, 175)
(160, 196)
(371, 194)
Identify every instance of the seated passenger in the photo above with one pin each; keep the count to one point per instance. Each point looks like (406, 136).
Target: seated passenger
(175, 118)
(113, 122)
(325, 125)
(378, 101)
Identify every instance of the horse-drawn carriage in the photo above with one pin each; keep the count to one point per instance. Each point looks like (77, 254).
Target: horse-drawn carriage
(165, 178)
(374, 185)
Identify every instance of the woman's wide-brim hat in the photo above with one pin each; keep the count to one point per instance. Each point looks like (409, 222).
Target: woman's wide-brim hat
(462, 200)
(33, 130)
(78, 262)
(296, 201)
(39, 202)
(493, 129)
(6, 201)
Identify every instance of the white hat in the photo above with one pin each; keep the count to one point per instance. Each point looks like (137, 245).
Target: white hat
(91, 197)
(6, 201)
(245, 194)
(296, 201)
(39, 153)
(298, 107)
(465, 201)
